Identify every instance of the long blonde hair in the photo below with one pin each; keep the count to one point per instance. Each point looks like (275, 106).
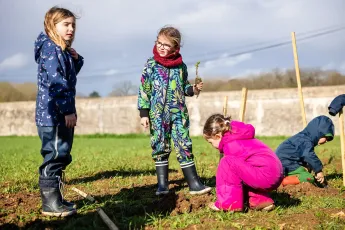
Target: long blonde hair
(52, 17)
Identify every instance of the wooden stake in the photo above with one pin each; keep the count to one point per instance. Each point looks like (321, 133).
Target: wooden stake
(298, 77)
(107, 220)
(342, 142)
(83, 194)
(243, 104)
(225, 111)
(225, 106)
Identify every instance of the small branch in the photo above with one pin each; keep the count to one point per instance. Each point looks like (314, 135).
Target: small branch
(83, 194)
(107, 220)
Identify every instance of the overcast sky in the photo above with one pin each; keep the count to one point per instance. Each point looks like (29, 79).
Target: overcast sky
(116, 37)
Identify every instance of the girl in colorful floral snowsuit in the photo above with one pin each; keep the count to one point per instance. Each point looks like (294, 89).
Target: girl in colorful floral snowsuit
(162, 106)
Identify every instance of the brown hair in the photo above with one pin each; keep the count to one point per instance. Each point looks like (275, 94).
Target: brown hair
(172, 34)
(216, 124)
(52, 17)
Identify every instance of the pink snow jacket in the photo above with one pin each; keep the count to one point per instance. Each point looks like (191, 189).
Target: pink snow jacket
(244, 154)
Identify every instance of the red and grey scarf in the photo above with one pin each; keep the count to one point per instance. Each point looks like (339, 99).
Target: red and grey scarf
(171, 60)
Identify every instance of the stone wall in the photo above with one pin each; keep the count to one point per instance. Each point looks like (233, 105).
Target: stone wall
(272, 112)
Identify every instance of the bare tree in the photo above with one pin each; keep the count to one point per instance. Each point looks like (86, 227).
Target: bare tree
(277, 79)
(123, 88)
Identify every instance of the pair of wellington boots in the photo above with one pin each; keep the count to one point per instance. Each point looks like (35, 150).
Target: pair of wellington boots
(190, 175)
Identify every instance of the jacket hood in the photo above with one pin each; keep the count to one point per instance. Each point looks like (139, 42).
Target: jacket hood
(42, 42)
(239, 131)
(320, 126)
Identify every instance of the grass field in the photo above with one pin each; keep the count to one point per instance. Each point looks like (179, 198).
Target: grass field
(119, 173)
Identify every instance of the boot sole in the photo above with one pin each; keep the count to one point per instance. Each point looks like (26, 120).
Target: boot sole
(206, 190)
(269, 208)
(162, 193)
(60, 214)
(266, 208)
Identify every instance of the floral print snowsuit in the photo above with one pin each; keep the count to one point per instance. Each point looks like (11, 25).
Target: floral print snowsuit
(162, 92)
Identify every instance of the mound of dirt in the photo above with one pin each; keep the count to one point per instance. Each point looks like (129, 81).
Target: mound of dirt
(180, 203)
(308, 189)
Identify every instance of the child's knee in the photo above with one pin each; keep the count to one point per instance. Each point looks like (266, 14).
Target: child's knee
(66, 159)
(161, 156)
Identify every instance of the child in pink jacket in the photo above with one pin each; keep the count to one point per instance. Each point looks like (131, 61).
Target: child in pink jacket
(249, 168)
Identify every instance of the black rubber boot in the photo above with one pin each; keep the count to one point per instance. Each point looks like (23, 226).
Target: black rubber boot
(69, 204)
(162, 177)
(52, 199)
(193, 181)
(62, 180)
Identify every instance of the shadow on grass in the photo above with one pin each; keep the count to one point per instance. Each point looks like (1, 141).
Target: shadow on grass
(284, 200)
(334, 176)
(114, 173)
(130, 208)
(90, 220)
(209, 181)
(133, 208)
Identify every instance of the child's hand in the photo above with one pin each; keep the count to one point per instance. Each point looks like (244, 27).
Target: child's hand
(74, 53)
(197, 88)
(320, 177)
(71, 120)
(144, 121)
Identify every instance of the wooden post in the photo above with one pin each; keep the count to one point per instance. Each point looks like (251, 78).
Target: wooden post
(225, 106)
(225, 111)
(298, 77)
(243, 104)
(342, 142)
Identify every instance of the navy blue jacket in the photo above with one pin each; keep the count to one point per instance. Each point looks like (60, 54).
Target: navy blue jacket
(336, 105)
(298, 150)
(56, 82)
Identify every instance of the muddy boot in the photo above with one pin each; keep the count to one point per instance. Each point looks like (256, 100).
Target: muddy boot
(162, 177)
(260, 200)
(193, 181)
(52, 199)
(290, 180)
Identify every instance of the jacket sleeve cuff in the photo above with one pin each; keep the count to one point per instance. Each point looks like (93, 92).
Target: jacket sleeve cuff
(144, 112)
(190, 91)
(68, 113)
(332, 111)
(79, 59)
(317, 170)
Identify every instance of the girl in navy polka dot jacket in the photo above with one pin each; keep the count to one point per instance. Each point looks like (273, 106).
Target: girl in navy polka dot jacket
(58, 66)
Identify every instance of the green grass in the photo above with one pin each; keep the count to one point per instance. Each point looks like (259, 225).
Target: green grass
(119, 172)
